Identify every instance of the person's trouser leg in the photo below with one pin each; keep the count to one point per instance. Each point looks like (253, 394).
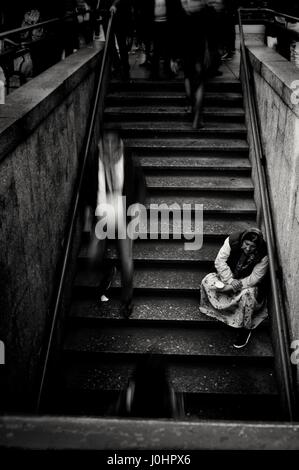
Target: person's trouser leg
(113, 50)
(156, 50)
(123, 50)
(199, 94)
(213, 35)
(159, 46)
(230, 35)
(125, 249)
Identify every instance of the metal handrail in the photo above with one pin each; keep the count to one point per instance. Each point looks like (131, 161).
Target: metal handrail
(74, 211)
(23, 29)
(275, 13)
(269, 10)
(282, 331)
(23, 46)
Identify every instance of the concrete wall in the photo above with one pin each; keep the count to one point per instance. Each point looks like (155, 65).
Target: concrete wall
(279, 117)
(42, 127)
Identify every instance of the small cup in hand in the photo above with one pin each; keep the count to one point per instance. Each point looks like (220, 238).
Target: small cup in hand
(219, 285)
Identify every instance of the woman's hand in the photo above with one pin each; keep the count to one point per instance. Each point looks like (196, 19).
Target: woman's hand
(236, 285)
(174, 66)
(228, 289)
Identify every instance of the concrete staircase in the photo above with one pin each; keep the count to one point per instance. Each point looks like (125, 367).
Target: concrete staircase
(208, 166)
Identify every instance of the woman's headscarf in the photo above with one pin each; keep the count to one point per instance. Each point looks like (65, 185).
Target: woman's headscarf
(247, 235)
(245, 263)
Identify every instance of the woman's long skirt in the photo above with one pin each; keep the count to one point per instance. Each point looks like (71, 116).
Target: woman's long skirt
(239, 310)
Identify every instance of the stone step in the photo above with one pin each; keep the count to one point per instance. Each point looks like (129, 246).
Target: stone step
(148, 310)
(183, 342)
(135, 98)
(237, 164)
(214, 182)
(215, 227)
(217, 84)
(197, 406)
(199, 378)
(171, 113)
(173, 129)
(192, 153)
(239, 407)
(163, 251)
(222, 202)
(191, 145)
(208, 201)
(157, 229)
(152, 278)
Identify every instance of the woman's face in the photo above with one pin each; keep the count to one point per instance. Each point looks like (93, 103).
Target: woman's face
(248, 247)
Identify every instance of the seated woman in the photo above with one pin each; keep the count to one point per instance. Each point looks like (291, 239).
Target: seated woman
(235, 294)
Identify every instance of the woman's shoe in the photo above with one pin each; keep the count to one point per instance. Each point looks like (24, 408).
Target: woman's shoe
(110, 277)
(105, 287)
(242, 338)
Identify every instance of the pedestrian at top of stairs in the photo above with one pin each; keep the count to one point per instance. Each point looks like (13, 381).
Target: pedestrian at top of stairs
(228, 33)
(193, 50)
(123, 30)
(200, 25)
(236, 293)
(164, 15)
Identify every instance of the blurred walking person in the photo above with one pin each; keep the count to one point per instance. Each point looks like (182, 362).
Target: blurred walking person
(215, 31)
(229, 29)
(194, 49)
(123, 23)
(160, 37)
(120, 184)
(165, 14)
(144, 28)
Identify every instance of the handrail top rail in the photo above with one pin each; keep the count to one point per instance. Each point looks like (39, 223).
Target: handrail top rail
(269, 10)
(22, 29)
(4, 34)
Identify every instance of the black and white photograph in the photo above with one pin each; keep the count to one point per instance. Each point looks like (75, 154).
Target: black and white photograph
(149, 229)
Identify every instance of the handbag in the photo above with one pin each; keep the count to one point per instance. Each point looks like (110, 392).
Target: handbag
(23, 66)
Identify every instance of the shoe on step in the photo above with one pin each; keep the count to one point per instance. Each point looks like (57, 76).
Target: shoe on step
(126, 309)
